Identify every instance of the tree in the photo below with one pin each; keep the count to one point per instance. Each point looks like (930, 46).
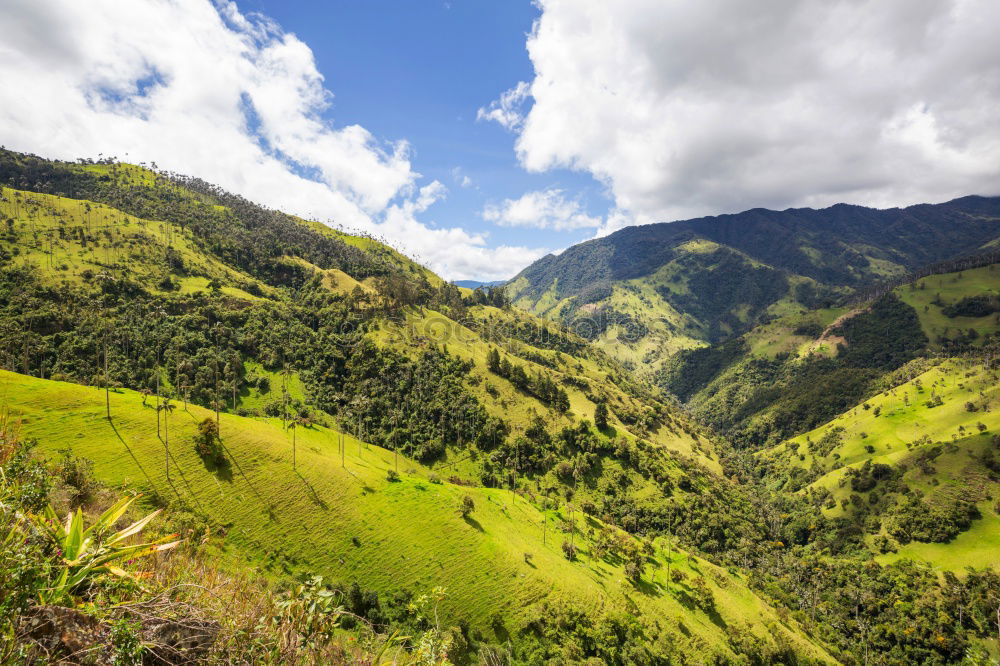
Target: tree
(107, 383)
(493, 361)
(601, 415)
(166, 408)
(466, 507)
(207, 442)
(292, 426)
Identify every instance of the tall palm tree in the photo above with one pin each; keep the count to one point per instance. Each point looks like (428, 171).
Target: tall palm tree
(166, 408)
(107, 384)
(293, 426)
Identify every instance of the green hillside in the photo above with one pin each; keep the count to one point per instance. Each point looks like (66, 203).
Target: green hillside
(336, 514)
(916, 467)
(801, 370)
(610, 524)
(644, 293)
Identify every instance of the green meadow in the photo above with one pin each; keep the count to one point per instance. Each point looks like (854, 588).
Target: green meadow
(336, 513)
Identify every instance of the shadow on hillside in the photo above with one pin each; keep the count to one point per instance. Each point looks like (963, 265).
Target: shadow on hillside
(230, 456)
(134, 458)
(474, 523)
(222, 470)
(686, 599)
(175, 468)
(648, 588)
(317, 500)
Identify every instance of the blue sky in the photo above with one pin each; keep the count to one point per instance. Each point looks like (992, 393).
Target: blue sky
(477, 136)
(420, 70)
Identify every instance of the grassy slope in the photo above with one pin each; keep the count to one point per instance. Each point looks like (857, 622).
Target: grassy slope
(409, 532)
(45, 230)
(952, 287)
(906, 419)
(777, 337)
(428, 327)
(669, 330)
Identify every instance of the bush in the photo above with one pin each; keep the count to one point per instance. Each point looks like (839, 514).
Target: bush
(569, 550)
(77, 475)
(207, 442)
(392, 475)
(466, 507)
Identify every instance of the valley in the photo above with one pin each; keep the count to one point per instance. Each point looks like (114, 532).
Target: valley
(700, 449)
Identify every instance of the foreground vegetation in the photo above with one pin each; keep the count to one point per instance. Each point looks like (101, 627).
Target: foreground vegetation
(509, 564)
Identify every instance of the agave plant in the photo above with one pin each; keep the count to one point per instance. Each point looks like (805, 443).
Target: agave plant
(92, 551)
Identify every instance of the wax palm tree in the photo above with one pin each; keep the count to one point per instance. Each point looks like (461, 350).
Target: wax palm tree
(166, 407)
(292, 426)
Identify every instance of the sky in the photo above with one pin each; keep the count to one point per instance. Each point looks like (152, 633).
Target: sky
(478, 136)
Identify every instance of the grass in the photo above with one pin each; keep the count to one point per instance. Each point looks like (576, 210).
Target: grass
(502, 399)
(904, 418)
(46, 233)
(977, 547)
(895, 427)
(947, 289)
(337, 515)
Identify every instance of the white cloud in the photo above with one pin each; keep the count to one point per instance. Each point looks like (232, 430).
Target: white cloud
(461, 178)
(697, 107)
(202, 89)
(543, 209)
(507, 109)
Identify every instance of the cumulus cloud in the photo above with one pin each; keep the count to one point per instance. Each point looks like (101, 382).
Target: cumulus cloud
(543, 209)
(697, 107)
(202, 89)
(507, 110)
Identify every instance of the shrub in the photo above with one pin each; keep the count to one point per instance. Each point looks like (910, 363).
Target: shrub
(466, 507)
(207, 442)
(569, 550)
(392, 475)
(77, 475)
(126, 643)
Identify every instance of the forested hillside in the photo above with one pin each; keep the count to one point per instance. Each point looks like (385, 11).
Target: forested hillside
(302, 402)
(150, 285)
(790, 375)
(643, 293)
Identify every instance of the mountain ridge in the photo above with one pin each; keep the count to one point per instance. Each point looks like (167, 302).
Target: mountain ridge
(683, 284)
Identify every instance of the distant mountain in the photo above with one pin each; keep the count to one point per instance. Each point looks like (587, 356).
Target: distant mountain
(646, 292)
(475, 284)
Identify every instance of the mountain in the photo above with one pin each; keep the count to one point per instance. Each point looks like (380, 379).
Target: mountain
(644, 293)
(124, 287)
(475, 284)
(790, 375)
(466, 478)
